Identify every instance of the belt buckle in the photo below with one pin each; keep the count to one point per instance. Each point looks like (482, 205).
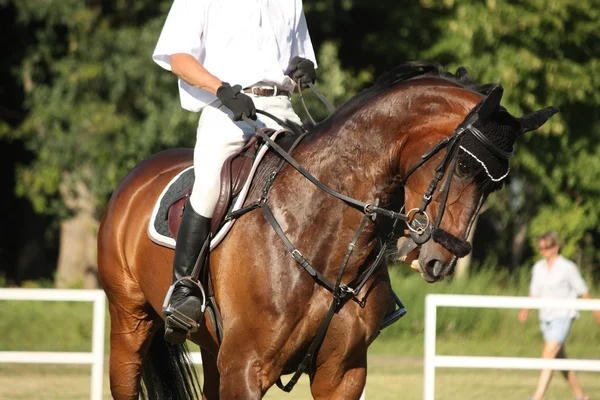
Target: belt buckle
(264, 91)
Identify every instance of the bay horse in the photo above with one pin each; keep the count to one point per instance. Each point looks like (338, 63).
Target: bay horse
(389, 146)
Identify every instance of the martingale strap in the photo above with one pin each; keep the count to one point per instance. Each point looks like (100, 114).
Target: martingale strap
(295, 253)
(339, 296)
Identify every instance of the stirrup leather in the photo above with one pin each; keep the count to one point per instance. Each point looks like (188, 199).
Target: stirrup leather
(177, 320)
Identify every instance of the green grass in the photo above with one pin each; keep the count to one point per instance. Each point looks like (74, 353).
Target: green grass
(67, 326)
(395, 358)
(46, 326)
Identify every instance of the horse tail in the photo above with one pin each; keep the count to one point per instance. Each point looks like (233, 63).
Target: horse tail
(168, 372)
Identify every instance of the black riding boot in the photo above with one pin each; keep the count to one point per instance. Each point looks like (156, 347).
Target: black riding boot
(184, 303)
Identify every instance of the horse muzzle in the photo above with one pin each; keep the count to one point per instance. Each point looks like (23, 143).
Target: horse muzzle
(429, 260)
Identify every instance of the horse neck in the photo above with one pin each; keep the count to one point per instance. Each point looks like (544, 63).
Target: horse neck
(360, 156)
(353, 157)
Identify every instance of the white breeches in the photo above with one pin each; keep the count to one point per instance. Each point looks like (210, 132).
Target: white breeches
(218, 137)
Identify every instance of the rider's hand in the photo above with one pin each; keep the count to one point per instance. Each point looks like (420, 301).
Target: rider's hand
(302, 71)
(236, 101)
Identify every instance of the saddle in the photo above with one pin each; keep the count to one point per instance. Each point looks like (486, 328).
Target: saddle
(236, 174)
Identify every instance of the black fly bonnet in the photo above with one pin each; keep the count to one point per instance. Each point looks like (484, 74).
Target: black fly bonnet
(483, 142)
(489, 142)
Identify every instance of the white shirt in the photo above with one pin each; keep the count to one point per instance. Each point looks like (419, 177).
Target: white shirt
(239, 41)
(563, 280)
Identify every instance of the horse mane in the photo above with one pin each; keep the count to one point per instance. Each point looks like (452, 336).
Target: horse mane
(409, 71)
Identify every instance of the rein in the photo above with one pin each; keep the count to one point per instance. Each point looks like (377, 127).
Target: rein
(416, 219)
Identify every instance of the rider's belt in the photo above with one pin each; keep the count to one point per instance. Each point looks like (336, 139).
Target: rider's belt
(266, 91)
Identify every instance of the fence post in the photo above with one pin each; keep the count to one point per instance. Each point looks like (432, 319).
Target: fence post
(430, 334)
(98, 347)
(95, 357)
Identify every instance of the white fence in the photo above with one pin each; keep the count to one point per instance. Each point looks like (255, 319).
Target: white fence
(432, 360)
(95, 357)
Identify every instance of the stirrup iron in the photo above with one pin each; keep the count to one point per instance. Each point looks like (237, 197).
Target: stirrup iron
(177, 320)
(395, 315)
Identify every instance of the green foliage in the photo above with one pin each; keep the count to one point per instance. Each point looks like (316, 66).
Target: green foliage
(97, 104)
(543, 52)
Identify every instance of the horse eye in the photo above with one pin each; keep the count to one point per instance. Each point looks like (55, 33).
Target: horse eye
(463, 170)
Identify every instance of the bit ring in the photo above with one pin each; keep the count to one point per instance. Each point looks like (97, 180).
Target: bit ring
(420, 227)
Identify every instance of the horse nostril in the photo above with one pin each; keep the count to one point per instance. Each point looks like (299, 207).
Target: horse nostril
(435, 267)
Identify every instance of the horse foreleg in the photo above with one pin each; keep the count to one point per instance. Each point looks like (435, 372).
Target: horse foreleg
(242, 371)
(130, 336)
(240, 380)
(212, 377)
(339, 380)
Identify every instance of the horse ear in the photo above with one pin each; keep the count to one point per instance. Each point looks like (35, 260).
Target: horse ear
(462, 72)
(490, 104)
(531, 122)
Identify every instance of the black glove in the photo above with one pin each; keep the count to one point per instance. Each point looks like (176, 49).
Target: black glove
(238, 102)
(302, 71)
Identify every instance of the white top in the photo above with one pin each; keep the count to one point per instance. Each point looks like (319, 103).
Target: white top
(563, 280)
(239, 41)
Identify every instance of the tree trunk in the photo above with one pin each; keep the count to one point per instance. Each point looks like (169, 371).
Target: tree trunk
(77, 265)
(518, 245)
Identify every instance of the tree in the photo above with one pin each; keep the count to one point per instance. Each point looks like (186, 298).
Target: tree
(97, 106)
(543, 52)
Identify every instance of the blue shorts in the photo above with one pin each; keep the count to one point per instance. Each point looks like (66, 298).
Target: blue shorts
(556, 329)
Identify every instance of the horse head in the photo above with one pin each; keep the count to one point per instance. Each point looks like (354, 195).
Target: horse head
(449, 163)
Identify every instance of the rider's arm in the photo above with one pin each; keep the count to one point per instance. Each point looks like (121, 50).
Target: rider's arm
(301, 43)
(534, 291)
(186, 67)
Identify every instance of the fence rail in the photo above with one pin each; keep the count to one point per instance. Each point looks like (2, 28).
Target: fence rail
(95, 358)
(433, 301)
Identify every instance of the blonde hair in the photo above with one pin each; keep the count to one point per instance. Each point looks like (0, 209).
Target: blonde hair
(550, 236)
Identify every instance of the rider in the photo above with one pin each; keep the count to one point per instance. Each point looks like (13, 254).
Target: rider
(230, 56)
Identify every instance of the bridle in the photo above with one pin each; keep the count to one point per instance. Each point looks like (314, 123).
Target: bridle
(416, 219)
